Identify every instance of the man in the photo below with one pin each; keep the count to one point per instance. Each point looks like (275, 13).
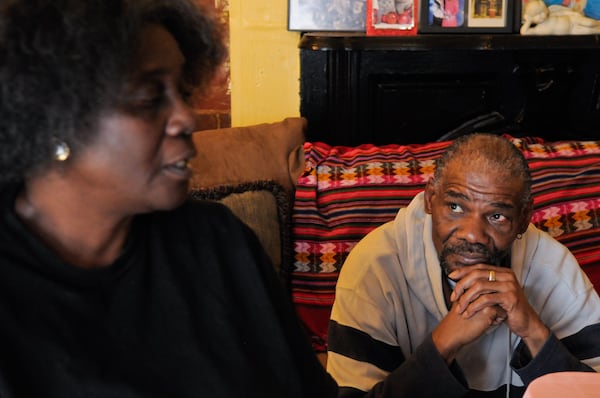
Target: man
(459, 294)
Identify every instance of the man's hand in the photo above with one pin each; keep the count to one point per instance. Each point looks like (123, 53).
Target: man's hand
(476, 290)
(457, 330)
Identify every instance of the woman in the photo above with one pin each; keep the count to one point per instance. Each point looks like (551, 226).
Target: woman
(111, 285)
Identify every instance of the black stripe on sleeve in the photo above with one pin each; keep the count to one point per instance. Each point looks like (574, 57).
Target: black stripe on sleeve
(350, 392)
(358, 345)
(584, 344)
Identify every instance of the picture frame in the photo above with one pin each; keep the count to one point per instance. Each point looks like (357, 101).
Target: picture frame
(489, 14)
(330, 15)
(392, 17)
(518, 15)
(467, 16)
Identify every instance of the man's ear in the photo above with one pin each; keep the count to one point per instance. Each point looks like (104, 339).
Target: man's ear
(428, 196)
(527, 213)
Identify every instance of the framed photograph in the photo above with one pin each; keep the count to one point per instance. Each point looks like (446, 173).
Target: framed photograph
(445, 16)
(465, 16)
(489, 14)
(327, 15)
(391, 17)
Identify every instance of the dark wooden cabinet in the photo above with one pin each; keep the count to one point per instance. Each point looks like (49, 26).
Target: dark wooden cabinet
(357, 89)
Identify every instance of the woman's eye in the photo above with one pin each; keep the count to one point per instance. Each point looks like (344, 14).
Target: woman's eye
(150, 101)
(187, 96)
(186, 93)
(149, 97)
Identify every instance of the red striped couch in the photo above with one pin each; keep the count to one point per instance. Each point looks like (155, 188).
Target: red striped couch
(345, 192)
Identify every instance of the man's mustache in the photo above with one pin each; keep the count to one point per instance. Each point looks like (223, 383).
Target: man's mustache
(466, 248)
(492, 257)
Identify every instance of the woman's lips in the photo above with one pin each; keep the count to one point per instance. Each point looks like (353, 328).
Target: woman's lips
(179, 169)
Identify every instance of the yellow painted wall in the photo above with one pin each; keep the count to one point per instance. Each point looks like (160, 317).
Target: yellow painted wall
(265, 62)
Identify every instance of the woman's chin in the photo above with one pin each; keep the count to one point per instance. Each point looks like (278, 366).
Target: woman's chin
(170, 198)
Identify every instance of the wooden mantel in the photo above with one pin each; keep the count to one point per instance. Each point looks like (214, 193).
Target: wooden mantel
(358, 89)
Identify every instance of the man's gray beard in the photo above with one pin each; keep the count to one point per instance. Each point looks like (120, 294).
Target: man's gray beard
(496, 258)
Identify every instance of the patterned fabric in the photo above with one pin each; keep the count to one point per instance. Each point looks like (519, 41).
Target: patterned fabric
(345, 192)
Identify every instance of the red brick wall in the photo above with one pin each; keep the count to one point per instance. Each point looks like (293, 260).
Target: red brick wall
(214, 107)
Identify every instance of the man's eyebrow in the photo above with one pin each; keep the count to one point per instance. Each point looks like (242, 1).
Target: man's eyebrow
(503, 205)
(499, 205)
(456, 195)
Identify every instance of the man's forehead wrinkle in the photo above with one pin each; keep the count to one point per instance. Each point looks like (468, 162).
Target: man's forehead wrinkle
(474, 164)
(456, 194)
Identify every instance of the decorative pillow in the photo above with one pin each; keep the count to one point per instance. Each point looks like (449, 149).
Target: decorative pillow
(268, 151)
(345, 192)
(264, 207)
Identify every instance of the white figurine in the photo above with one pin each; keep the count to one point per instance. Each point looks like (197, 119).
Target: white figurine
(539, 19)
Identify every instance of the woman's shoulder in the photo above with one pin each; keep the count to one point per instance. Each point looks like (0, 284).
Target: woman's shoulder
(195, 211)
(203, 207)
(199, 216)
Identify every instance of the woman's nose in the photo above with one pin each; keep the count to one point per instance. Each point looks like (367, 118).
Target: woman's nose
(182, 119)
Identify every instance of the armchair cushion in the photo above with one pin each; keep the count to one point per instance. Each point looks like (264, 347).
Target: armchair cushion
(268, 151)
(264, 207)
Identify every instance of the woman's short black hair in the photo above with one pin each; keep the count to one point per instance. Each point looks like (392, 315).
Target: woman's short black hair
(63, 61)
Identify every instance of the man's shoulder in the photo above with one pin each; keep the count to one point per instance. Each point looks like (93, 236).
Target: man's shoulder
(540, 257)
(540, 243)
(374, 256)
(378, 243)
(386, 241)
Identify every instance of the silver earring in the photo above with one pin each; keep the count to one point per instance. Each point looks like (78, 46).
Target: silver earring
(519, 236)
(62, 151)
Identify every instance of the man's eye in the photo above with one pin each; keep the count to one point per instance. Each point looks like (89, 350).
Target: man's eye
(455, 208)
(498, 217)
